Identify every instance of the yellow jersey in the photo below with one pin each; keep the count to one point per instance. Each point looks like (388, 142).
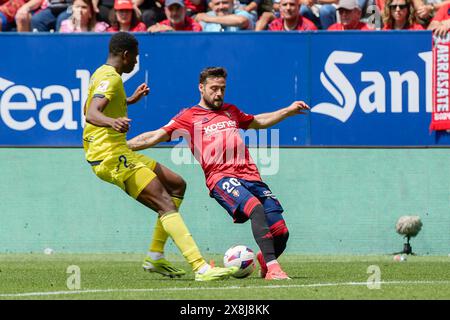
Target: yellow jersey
(101, 142)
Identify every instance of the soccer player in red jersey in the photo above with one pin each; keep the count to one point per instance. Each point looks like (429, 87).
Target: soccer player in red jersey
(212, 131)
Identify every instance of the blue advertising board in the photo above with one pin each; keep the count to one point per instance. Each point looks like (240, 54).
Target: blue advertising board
(365, 88)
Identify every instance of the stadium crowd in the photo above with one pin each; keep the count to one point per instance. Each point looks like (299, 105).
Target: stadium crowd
(222, 15)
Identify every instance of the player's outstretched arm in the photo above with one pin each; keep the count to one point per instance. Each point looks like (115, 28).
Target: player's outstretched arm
(266, 120)
(141, 90)
(148, 139)
(95, 116)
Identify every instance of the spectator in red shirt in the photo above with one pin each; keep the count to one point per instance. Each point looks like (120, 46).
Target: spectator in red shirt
(400, 15)
(8, 11)
(125, 18)
(440, 25)
(291, 20)
(350, 15)
(177, 20)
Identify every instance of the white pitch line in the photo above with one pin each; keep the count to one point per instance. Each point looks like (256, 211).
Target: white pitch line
(313, 285)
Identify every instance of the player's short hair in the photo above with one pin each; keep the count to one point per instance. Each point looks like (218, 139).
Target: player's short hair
(212, 72)
(122, 41)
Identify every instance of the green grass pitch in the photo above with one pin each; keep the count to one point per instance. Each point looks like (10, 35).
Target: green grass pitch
(120, 276)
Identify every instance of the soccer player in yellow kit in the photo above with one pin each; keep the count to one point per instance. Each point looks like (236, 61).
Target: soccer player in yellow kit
(105, 146)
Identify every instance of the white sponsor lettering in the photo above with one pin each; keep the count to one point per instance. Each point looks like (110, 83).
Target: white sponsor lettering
(442, 116)
(215, 127)
(23, 107)
(373, 97)
(17, 116)
(442, 82)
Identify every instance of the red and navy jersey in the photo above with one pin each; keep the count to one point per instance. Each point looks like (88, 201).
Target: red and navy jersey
(214, 139)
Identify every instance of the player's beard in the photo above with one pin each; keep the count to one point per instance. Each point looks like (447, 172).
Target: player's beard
(213, 104)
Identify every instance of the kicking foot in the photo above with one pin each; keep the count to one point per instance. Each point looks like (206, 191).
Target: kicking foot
(215, 273)
(162, 266)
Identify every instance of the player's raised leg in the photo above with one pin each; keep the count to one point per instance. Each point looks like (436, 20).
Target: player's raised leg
(266, 243)
(277, 227)
(235, 196)
(155, 260)
(156, 197)
(280, 234)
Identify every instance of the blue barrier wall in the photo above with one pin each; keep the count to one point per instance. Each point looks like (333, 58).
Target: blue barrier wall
(366, 89)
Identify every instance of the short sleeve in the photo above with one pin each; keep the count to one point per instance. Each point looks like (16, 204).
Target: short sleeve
(179, 125)
(108, 86)
(243, 118)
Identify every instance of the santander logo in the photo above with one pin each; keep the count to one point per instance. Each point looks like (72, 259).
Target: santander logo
(344, 93)
(372, 98)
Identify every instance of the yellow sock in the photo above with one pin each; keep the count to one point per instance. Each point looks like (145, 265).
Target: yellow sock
(174, 225)
(159, 234)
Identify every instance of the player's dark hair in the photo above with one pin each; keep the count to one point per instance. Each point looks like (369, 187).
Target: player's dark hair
(122, 41)
(212, 72)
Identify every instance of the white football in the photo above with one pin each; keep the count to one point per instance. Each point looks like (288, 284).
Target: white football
(242, 257)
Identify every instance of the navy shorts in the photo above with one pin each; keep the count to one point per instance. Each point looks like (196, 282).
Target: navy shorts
(239, 197)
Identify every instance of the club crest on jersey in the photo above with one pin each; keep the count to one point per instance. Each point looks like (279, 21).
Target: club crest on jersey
(205, 120)
(235, 193)
(227, 114)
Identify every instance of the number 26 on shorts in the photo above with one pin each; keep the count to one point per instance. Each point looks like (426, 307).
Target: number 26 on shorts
(229, 185)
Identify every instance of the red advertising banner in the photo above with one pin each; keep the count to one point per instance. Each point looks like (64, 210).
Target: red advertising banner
(441, 91)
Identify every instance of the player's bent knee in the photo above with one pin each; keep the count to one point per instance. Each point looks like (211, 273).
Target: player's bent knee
(173, 182)
(156, 197)
(279, 228)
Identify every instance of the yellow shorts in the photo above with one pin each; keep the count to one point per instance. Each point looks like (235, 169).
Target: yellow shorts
(128, 170)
